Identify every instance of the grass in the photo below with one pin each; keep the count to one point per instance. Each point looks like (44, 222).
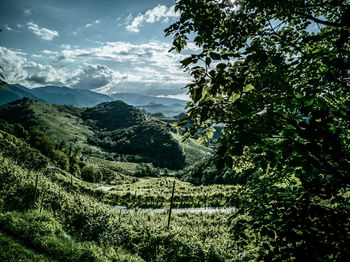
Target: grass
(70, 223)
(47, 241)
(193, 150)
(12, 250)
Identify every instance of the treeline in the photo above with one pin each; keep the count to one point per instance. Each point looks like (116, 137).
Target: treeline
(207, 172)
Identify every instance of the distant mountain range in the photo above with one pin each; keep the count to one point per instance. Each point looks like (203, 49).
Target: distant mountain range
(67, 96)
(86, 98)
(15, 92)
(142, 100)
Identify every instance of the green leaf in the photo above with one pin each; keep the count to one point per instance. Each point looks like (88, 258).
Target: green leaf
(248, 88)
(202, 139)
(221, 66)
(215, 56)
(234, 97)
(210, 134)
(186, 61)
(207, 61)
(308, 102)
(333, 129)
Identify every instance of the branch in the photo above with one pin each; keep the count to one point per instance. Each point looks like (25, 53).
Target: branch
(323, 22)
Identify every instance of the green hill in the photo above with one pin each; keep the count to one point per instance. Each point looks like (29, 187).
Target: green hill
(111, 130)
(113, 115)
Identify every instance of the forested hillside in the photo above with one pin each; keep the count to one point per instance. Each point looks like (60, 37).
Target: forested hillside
(112, 130)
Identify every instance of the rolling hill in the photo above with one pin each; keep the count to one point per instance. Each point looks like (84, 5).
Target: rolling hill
(112, 130)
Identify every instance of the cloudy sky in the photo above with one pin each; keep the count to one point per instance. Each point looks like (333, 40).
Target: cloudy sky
(106, 45)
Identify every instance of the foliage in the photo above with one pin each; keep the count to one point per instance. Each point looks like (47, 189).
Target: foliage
(151, 141)
(205, 172)
(19, 193)
(145, 170)
(67, 225)
(276, 74)
(88, 173)
(13, 250)
(44, 234)
(123, 115)
(21, 152)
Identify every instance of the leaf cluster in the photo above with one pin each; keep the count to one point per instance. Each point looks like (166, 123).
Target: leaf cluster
(275, 74)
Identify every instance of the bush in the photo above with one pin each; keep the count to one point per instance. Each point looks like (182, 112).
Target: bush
(17, 190)
(88, 173)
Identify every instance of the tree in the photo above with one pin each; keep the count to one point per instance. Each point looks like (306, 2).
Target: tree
(276, 74)
(88, 173)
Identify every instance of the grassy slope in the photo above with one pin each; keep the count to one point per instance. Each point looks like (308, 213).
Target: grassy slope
(13, 250)
(72, 220)
(194, 151)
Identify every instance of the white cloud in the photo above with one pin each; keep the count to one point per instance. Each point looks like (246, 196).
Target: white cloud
(135, 24)
(159, 13)
(48, 52)
(12, 62)
(89, 25)
(43, 33)
(36, 56)
(147, 66)
(181, 96)
(65, 46)
(20, 25)
(39, 74)
(27, 11)
(8, 28)
(111, 67)
(95, 76)
(17, 69)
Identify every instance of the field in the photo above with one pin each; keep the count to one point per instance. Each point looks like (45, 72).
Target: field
(48, 210)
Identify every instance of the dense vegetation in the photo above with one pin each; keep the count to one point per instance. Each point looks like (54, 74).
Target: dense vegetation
(110, 130)
(276, 74)
(47, 215)
(132, 133)
(52, 210)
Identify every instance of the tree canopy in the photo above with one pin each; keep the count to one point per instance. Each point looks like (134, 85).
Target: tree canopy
(276, 74)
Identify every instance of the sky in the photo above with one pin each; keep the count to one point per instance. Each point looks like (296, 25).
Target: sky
(106, 46)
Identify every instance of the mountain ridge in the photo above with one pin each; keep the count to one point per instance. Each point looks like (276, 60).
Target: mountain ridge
(63, 95)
